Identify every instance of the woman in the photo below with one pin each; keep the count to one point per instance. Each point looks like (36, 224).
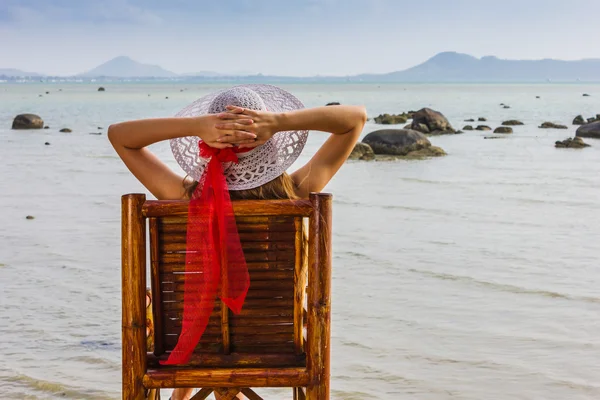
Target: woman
(251, 134)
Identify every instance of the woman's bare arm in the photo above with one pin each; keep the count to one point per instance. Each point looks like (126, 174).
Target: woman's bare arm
(345, 123)
(131, 138)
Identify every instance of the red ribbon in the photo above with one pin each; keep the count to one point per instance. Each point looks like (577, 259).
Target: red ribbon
(214, 254)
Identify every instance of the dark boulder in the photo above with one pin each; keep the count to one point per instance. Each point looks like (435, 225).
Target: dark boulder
(65, 130)
(101, 89)
(586, 95)
(571, 143)
(391, 119)
(362, 151)
(591, 130)
(481, 119)
(579, 120)
(435, 121)
(400, 142)
(503, 129)
(28, 121)
(333, 103)
(552, 125)
(467, 128)
(512, 122)
(483, 128)
(469, 120)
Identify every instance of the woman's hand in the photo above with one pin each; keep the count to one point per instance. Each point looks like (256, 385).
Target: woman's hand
(235, 123)
(221, 139)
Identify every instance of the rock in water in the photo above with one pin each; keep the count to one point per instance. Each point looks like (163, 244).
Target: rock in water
(101, 89)
(483, 128)
(552, 125)
(481, 119)
(572, 143)
(512, 122)
(30, 217)
(46, 127)
(47, 143)
(435, 122)
(362, 151)
(469, 120)
(467, 128)
(586, 95)
(503, 129)
(27, 121)
(391, 119)
(65, 130)
(333, 103)
(591, 130)
(579, 120)
(401, 142)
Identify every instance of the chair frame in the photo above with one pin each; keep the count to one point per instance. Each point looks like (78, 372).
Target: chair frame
(143, 377)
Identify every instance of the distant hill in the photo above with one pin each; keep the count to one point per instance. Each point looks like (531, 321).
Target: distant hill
(125, 67)
(443, 67)
(16, 72)
(456, 67)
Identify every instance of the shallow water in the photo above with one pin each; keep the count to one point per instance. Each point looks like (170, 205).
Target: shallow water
(472, 276)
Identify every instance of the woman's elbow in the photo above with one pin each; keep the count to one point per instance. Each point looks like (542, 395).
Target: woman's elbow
(112, 134)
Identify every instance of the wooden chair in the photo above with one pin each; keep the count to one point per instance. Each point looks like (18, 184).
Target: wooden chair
(282, 336)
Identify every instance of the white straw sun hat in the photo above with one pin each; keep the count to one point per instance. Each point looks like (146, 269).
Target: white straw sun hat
(259, 165)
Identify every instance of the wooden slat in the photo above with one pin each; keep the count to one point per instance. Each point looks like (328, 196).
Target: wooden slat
(282, 255)
(266, 286)
(261, 338)
(236, 377)
(202, 394)
(179, 266)
(250, 394)
(246, 238)
(247, 360)
(155, 287)
(167, 246)
(299, 284)
(174, 325)
(240, 208)
(283, 348)
(255, 276)
(252, 294)
(250, 303)
(225, 331)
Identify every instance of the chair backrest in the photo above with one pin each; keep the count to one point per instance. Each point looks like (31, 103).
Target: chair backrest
(285, 319)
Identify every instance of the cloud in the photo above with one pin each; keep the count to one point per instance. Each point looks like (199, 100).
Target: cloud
(28, 12)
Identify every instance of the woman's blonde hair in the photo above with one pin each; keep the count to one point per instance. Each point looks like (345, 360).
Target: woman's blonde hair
(280, 188)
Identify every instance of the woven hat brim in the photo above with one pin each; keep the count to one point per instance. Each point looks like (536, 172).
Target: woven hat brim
(257, 167)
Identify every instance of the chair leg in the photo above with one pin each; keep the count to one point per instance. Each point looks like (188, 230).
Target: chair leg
(299, 393)
(318, 392)
(153, 394)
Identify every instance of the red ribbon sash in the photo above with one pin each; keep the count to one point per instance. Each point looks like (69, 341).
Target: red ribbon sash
(214, 255)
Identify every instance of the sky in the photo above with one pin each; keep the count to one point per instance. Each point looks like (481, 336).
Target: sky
(289, 37)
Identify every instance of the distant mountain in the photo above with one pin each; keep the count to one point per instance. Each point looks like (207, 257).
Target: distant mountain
(16, 72)
(456, 67)
(125, 67)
